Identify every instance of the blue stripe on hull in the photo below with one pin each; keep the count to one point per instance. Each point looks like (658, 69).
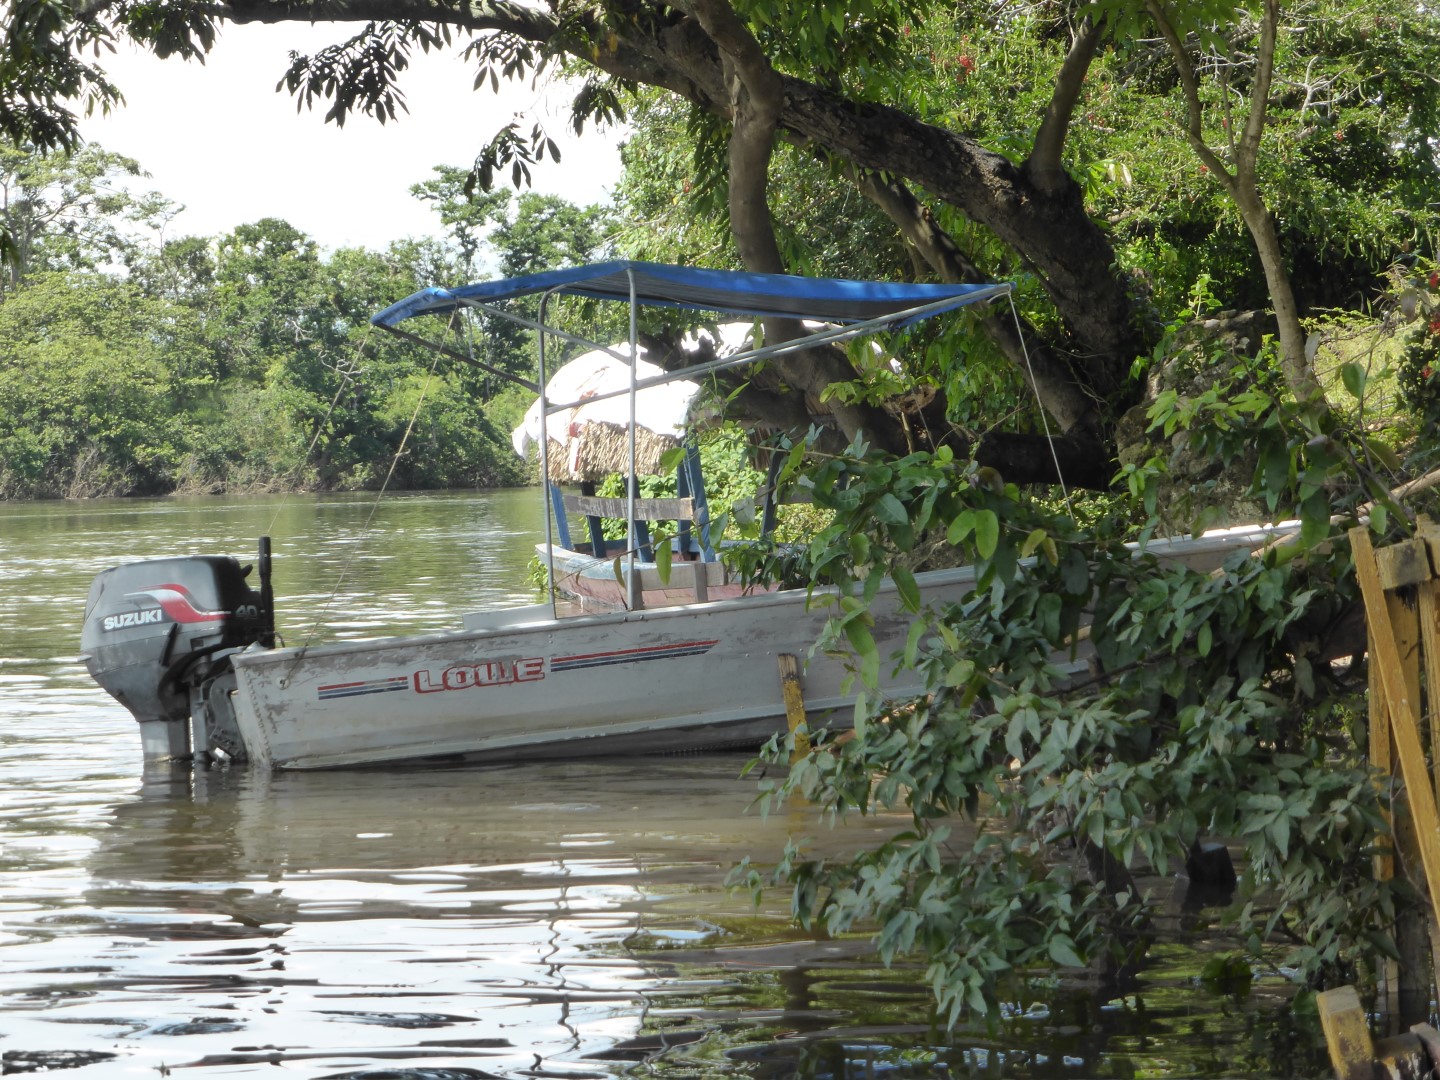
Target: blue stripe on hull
(631, 656)
(384, 686)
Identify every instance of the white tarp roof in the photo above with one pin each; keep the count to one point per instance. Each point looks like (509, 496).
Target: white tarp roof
(663, 409)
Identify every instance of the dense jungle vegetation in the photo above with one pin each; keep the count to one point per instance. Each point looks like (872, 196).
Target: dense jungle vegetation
(1220, 219)
(242, 362)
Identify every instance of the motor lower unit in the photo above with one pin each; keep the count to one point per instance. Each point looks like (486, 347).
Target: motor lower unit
(158, 637)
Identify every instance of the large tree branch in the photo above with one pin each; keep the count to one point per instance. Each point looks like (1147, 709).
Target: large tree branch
(1038, 459)
(1050, 229)
(756, 100)
(1049, 377)
(1248, 149)
(1045, 164)
(1190, 90)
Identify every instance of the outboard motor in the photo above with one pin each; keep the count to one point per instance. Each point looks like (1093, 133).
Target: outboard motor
(158, 637)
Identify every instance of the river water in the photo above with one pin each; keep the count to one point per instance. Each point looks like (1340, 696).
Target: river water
(551, 920)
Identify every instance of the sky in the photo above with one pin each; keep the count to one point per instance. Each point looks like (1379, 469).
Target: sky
(219, 139)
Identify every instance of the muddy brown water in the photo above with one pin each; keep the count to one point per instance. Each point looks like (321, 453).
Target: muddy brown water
(566, 919)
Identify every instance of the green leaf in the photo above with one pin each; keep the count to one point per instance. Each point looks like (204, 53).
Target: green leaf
(987, 533)
(891, 510)
(1383, 943)
(1314, 519)
(661, 547)
(1379, 518)
(906, 587)
(1062, 952)
(1036, 538)
(859, 548)
(1204, 639)
(1384, 454)
(961, 527)
(1353, 376)
(960, 673)
(912, 642)
(860, 638)
(1075, 574)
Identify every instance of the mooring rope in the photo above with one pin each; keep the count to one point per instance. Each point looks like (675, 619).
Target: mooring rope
(1044, 418)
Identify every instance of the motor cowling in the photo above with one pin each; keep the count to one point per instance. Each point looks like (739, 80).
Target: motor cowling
(157, 632)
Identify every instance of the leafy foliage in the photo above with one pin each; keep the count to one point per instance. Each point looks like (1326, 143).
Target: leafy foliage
(1420, 361)
(72, 211)
(1090, 715)
(237, 362)
(85, 381)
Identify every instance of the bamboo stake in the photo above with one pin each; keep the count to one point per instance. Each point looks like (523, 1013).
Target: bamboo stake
(794, 703)
(1361, 514)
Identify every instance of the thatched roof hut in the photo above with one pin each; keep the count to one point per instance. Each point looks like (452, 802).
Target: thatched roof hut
(600, 448)
(592, 440)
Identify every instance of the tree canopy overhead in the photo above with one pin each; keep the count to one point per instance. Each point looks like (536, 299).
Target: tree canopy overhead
(1085, 150)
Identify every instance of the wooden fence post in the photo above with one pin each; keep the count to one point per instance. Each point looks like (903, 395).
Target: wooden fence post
(1402, 709)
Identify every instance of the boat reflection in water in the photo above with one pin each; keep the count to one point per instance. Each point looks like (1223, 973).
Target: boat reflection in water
(501, 921)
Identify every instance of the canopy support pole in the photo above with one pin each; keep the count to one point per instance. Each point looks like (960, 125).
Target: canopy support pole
(545, 463)
(632, 579)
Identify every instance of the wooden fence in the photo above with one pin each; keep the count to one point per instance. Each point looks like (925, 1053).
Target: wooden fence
(1401, 589)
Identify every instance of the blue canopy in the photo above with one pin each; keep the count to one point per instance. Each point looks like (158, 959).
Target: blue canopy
(834, 300)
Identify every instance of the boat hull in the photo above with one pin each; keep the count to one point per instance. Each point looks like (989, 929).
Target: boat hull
(523, 684)
(683, 678)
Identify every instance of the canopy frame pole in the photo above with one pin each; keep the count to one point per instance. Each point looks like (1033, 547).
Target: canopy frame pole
(465, 357)
(831, 334)
(632, 482)
(551, 504)
(538, 324)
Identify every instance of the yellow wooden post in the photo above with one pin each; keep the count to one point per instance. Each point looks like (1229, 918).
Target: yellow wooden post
(794, 704)
(1380, 755)
(1429, 617)
(1401, 568)
(1352, 1053)
(1388, 975)
(1430, 640)
(1404, 729)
